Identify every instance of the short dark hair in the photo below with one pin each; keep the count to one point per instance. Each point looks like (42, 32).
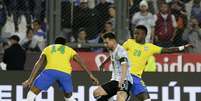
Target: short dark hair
(60, 40)
(109, 35)
(143, 28)
(37, 21)
(14, 37)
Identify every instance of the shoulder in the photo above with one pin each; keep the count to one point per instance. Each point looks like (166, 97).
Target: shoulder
(67, 47)
(48, 47)
(129, 41)
(121, 50)
(126, 43)
(150, 45)
(150, 14)
(137, 14)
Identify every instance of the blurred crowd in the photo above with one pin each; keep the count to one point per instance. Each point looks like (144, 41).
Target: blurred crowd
(26, 19)
(169, 22)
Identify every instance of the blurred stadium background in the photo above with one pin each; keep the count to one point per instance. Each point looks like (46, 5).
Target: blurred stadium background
(171, 77)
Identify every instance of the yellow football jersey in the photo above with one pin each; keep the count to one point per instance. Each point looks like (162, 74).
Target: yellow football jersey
(58, 57)
(138, 55)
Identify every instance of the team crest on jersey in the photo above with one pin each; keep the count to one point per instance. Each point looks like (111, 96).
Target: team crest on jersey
(146, 48)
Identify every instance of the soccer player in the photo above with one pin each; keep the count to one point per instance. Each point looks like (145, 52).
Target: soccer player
(138, 53)
(57, 58)
(121, 81)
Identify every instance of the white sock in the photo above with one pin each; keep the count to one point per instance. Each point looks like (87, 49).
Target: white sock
(147, 100)
(31, 96)
(69, 99)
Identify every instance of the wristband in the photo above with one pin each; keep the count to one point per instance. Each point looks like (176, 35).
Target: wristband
(181, 48)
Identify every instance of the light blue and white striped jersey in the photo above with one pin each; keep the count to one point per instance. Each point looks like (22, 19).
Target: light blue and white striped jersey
(115, 56)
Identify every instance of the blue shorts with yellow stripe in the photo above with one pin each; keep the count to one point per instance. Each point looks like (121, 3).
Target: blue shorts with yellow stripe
(138, 86)
(48, 77)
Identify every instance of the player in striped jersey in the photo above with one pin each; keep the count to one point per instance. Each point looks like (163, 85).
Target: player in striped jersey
(121, 81)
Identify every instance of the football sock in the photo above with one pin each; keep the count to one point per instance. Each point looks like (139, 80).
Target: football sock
(31, 96)
(69, 99)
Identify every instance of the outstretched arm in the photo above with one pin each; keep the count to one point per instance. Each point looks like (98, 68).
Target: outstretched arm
(37, 66)
(176, 49)
(83, 65)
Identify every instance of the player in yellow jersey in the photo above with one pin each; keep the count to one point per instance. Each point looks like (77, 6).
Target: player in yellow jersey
(138, 54)
(57, 58)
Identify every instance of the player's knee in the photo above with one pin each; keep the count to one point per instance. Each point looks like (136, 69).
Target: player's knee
(121, 96)
(96, 93)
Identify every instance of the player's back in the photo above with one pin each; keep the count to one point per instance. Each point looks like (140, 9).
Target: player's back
(58, 57)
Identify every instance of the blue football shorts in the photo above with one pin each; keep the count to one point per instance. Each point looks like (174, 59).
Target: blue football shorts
(48, 77)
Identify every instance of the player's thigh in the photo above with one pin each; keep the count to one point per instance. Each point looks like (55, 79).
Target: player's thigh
(143, 96)
(99, 91)
(110, 88)
(138, 86)
(122, 96)
(44, 80)
(65, 83)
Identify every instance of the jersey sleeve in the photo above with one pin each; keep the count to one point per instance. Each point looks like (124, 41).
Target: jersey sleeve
(122, 56)
(126, 44)
(72, 53)
(155, 49)
(45, 51)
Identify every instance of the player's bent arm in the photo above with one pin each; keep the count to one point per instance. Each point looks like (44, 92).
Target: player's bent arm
(83, 65)
(37, 66)
(175, 49)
